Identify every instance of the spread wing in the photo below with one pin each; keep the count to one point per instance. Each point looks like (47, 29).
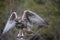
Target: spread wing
(33, 18)
(10, 23)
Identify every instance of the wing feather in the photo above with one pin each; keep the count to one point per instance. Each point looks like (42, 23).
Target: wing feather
(10, 23)
(34, 18)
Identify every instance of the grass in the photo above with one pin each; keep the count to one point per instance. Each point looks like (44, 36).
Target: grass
(48, 11)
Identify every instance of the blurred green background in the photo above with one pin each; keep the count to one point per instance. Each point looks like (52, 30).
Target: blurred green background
(47, 9)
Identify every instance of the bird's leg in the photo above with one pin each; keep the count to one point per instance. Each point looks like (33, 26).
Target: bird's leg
(22, 33)
(19, 33)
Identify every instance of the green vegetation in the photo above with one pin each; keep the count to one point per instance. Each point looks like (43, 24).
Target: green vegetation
(47, 9)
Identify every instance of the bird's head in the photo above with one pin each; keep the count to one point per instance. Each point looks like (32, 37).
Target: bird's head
(20, 24)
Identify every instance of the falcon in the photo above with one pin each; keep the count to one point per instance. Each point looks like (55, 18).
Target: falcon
(27, 20)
